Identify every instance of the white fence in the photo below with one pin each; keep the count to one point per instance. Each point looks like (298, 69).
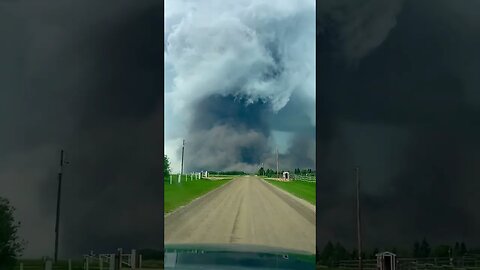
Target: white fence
(113, 261)
(460, 263)
(188, 177)
(102, 262)
(306, 178)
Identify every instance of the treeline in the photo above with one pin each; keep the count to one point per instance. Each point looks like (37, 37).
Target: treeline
(167, 170)
(267, 172)
(273, 173)
(226, 173)
(303, 171)
(166, 167)
(151, 254)
(332, 254)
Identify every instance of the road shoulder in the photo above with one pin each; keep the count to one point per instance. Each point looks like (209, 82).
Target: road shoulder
(197, 200)
(298, 199)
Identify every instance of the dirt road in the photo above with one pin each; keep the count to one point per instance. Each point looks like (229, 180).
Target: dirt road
(246, 210)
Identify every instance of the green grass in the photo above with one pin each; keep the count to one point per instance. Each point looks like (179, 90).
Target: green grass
(38, 264)
(178, 194)
(301, 189)
(158, 264)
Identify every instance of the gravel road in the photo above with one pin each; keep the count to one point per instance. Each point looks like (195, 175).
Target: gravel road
(246, 210)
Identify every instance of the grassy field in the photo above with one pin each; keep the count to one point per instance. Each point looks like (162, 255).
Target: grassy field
(38, 264)
(152, 264)
(301, 189)
(78, 265)
(178, 194)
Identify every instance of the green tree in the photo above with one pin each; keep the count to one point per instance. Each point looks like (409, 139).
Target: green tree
(340, 252)
(416, 250)
(10, 245)
(456, 250)
(424, 249)
(151, 254)
(441, 251)
(354, 255)
(261, 171)
(463, 249)
(374, 253)
(327, 253)
(166, 166)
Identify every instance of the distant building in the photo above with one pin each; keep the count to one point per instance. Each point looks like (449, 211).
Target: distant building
(386, 261)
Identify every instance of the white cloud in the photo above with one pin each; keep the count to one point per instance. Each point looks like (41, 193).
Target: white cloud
(256, 50)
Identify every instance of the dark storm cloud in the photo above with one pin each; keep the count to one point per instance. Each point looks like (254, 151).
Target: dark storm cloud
(85, 77)
(228, 134)
(218, 110)
(407, 115)
(355, 28)
(291, 117)
(225, 133)
(237, 73)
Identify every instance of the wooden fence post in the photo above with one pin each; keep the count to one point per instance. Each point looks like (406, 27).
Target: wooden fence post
(133, 259)
(48, 265)
(111, 262)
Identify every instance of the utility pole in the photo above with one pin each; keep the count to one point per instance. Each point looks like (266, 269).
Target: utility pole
(276, 150)
(183, 151)
(359, 238)
(57, 221)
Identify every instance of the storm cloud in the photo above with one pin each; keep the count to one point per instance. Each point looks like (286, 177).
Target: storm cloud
(86, 77)
(235, 73)
(407, 114)
(358, 26)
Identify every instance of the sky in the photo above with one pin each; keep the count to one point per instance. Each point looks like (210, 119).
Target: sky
(85, 76)
(398, 96)
(397, 90)
(239, 84)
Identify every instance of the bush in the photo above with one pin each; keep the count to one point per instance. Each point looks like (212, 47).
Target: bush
(151, 254)
(10, 245)
(166, 167)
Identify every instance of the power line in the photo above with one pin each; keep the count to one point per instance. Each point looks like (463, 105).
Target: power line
(359, 238)
(59, 194)
(276, 150)
(183, 151)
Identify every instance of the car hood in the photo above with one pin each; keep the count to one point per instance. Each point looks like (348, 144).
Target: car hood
(235, 256)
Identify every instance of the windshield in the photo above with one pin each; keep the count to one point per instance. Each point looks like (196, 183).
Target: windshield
(240, 127)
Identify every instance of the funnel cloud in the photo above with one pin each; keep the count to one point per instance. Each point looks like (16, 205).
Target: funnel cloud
(236, 72)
